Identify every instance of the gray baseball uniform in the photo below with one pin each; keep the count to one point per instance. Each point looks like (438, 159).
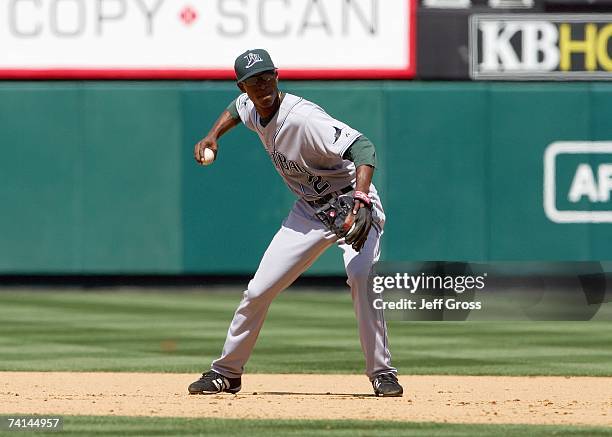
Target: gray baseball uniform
(306, 146)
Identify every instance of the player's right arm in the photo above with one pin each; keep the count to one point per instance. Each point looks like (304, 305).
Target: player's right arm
(226, 121)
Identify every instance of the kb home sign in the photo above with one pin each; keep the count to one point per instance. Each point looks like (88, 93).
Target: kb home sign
(536, 46)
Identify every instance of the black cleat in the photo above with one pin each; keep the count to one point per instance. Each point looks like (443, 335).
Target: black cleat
(212, 383)
(386, 384)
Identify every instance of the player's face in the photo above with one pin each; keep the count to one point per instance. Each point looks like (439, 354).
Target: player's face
(262, 88)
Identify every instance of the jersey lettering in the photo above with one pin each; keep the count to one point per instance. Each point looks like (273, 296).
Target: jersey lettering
(319, 185)
(283, 161)
(295, 166)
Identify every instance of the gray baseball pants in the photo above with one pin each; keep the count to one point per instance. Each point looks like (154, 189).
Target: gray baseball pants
(299, 242)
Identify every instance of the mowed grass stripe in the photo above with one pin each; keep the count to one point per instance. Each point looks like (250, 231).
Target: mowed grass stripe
(305, 332)
(137, 426)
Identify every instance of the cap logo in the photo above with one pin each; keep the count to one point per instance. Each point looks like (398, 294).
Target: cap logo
(252, 59)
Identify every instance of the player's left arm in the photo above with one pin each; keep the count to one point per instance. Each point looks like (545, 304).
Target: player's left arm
(364, 178)
(363, 154)
(359, 222)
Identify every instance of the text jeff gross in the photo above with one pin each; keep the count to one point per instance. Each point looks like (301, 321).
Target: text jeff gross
(425, 304)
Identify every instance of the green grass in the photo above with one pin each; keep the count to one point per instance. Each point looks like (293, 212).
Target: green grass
(135, 426)
(305, 332)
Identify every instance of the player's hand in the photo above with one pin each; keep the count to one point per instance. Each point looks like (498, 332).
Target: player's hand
(207, 142)
(360, 220)
(350, 219)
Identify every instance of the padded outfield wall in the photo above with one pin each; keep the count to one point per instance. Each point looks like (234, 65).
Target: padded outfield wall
(98, 177)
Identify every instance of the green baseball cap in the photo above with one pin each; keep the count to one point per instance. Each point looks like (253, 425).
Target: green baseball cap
(252, 62)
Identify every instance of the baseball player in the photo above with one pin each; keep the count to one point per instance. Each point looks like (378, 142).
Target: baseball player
(329, 167)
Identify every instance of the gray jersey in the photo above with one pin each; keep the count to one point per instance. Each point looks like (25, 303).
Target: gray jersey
(305, 144)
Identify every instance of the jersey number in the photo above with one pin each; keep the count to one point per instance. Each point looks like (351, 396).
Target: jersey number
(318, 184)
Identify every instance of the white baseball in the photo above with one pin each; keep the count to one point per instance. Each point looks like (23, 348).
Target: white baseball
(207, 157)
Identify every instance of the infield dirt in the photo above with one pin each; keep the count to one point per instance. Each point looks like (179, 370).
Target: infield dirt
(456, 399)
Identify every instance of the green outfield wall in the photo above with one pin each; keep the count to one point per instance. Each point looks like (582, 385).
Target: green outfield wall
(98, 177)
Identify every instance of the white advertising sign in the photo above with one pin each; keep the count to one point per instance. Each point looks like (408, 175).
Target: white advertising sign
(201, 38)
(592, 184)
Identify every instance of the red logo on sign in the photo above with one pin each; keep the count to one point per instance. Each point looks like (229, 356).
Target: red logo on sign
(188, 15)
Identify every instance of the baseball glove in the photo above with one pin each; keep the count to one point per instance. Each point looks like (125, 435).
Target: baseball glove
(334, 213)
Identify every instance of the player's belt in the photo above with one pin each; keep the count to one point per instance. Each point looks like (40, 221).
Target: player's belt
(323, 200)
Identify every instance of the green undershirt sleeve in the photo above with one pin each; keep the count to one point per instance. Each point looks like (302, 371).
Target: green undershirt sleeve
(231, 108)
(361, 152)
